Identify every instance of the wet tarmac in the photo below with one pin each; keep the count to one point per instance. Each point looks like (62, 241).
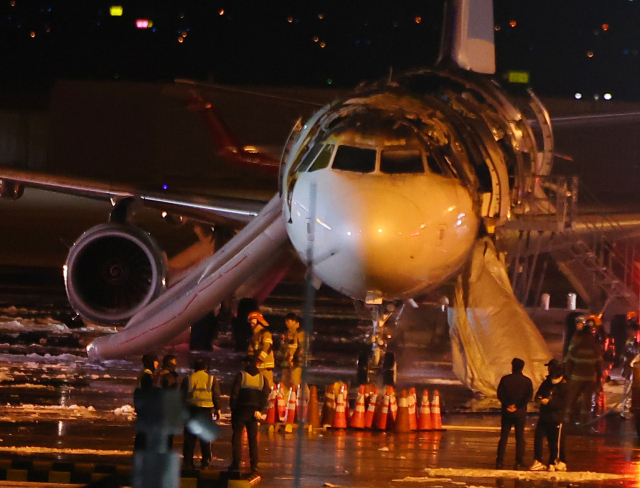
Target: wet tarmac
(57, 405)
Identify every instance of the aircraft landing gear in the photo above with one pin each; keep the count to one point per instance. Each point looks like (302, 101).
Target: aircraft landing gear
(378, 360)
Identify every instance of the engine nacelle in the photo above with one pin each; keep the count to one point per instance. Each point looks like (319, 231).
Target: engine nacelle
(11, 190)
(112, 272)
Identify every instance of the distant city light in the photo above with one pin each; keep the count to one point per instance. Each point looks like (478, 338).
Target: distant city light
(329, 81)
(513, 23)
(221, 11)
(180, 39)
(183, 33)
(165, 187)
(496, 28)
(323, 44)
(607, 96)
(578, 96)
(290, 19)
(590, 54)
(32, 34)
(143, 23)
(605, 27)
(316, 38)
(321, 16)
(418, 20)
(115, 11)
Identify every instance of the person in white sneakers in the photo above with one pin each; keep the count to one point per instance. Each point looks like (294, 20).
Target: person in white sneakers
(552, 399)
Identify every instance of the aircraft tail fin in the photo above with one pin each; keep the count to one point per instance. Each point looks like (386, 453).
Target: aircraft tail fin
(467, 37)
(225, 140)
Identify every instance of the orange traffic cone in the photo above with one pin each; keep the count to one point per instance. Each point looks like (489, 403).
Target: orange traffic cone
(382, 414)
(329, 407)
(271, 412)
(281, 405)
(371, 411)
(413, 419)
(402, 418)
(313, 414)
(357, 419)
(340, 421)
(424, 420)
(436, 418)
(291, 407)
(393, 410)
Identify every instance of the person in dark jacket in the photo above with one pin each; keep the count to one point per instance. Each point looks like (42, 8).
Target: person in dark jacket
(583, 370)
(249, 397)
(168, 380)
(514, 392)
(167, 377)
(146, 380)
(552, 399)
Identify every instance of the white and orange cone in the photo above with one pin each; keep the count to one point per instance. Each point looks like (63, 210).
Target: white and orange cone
(424, 419)
(357, 419)
(340, 421)
(371, 411)
(291, 407)
(436, 418)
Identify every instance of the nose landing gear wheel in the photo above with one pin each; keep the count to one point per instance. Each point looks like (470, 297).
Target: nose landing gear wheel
(389, 369)
(362, 375)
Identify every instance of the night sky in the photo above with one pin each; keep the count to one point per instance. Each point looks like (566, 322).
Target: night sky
(567, 46)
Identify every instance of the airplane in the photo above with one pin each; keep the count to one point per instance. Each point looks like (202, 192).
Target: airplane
(384, 194)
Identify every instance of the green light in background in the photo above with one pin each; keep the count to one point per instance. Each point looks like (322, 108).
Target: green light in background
(518, 77)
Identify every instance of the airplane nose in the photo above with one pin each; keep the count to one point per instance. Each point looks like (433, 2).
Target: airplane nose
(375, 236)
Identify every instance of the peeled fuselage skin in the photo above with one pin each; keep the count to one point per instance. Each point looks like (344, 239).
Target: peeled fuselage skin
(382, 236)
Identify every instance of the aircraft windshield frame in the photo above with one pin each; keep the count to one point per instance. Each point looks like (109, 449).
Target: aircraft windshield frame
(373, 160)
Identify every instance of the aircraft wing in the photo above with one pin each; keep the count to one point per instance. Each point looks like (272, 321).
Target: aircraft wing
(212, 210)
(262, 242)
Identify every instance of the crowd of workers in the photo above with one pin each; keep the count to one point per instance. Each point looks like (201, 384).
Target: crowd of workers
(249, 391)
(571, 394)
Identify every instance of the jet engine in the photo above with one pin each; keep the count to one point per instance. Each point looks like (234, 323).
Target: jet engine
(112, 272)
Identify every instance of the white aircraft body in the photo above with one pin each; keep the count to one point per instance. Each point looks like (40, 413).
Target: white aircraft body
(383, 194)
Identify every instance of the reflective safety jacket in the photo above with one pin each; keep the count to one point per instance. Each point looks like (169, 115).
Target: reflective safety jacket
(261, 347)
(250, 390)
(203, 391)
(146, 379)
(584, 359)
(291, 349)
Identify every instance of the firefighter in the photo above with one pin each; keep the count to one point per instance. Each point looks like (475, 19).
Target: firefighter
(583, 370)
(261, 345)
(249, 395)
(631, 351)
(167, 377)
(291, 352)
(146, 380)
(203, 398)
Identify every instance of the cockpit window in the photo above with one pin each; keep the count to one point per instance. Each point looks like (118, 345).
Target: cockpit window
(309, 158)
(322, 161)
(395, 161)
(355, 159)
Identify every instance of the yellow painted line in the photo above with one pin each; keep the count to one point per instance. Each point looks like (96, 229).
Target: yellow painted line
(59, 477)
(84, 467)
(42, 465)
(17, 474)
(188, 482)
(483, 428)
(238, 484)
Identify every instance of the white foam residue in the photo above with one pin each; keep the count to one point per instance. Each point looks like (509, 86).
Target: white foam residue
(561, 476)
(422, 479)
